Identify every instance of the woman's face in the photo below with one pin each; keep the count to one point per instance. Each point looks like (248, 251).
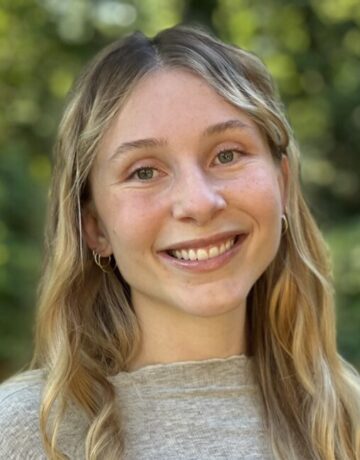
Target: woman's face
(186, 197)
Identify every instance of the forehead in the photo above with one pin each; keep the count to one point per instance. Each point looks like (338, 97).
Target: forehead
(175, 91)
(171, 104)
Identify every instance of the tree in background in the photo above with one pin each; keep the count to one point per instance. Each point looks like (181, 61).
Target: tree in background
(312, 49)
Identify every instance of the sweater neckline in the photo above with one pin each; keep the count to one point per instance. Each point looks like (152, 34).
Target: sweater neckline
(232, 370)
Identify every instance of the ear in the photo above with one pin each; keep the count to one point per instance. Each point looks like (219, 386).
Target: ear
(284, 180)
(94, 233)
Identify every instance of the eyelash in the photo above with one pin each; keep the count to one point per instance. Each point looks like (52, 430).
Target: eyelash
(136, 171)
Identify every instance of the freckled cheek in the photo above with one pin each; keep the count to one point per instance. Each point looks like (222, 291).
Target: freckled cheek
(258, 192)
(134, 222)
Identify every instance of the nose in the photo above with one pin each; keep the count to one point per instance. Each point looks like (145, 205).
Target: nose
(196, 198)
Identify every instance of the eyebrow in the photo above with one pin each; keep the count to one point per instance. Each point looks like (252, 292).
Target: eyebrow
(148, 143)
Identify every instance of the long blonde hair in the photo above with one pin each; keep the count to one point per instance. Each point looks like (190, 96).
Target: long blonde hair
(87, 330)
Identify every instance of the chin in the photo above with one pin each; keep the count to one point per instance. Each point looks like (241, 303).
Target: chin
(210, 308)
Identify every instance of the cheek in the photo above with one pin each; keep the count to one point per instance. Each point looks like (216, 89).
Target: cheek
(258, 190)
(133, 219)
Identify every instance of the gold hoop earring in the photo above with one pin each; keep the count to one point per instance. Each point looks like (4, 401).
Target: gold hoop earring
(106, 268)
(284, 224)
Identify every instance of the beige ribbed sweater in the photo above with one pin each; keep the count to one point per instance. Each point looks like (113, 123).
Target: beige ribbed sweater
(189, 410)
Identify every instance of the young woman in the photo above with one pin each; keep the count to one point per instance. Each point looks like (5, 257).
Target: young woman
(186, 308)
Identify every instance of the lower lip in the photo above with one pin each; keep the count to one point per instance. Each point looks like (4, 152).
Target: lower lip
(198, 266)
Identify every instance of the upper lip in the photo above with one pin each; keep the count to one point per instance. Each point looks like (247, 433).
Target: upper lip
(203, 242)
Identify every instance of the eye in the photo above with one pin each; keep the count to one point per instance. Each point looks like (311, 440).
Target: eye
(227, 156)
(144, 173)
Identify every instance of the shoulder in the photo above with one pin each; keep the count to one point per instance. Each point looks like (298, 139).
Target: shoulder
(21, 393)
(19, 416)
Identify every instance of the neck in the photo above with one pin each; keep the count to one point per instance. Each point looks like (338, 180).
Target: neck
(169, 336)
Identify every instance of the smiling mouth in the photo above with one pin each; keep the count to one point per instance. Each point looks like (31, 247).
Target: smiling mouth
(209, 252)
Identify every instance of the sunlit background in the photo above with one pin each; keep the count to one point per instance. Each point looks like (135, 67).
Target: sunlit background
(312, 48)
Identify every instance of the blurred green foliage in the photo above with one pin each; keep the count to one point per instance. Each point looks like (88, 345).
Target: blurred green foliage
(312, 48)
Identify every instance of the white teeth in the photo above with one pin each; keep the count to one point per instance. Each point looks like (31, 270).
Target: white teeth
(213, 252)
(184, 255)
(192, 254)
(203, 254)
